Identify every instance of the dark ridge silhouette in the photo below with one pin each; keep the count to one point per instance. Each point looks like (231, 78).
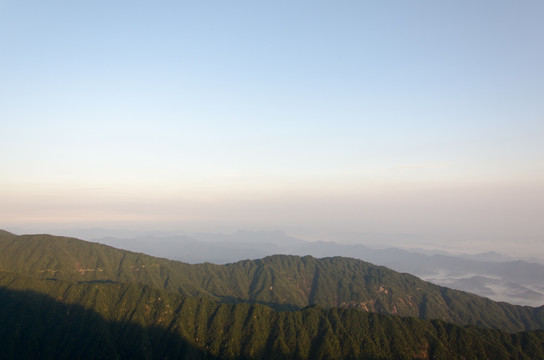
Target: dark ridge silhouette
(37, 327)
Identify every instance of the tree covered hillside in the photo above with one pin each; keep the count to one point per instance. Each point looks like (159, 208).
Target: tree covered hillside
(281, 282)
(56, 319)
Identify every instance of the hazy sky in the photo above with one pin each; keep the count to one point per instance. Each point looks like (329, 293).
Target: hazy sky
(419, 117)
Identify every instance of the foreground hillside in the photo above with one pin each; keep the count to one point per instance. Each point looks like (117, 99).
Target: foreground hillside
(281, 282)
(55, 319)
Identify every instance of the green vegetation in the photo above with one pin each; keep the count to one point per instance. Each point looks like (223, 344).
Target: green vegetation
(66, 298)
(61, 319)
(281, 282)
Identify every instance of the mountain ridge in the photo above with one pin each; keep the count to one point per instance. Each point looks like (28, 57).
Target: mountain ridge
(62, 319)
(281, 281)
(64, 298)
(511, 280)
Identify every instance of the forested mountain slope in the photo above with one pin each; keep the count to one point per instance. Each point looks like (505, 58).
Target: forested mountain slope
(499, 277)
(282, 282)
(56, 319)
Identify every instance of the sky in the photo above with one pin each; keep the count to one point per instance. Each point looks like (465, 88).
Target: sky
(318, 118)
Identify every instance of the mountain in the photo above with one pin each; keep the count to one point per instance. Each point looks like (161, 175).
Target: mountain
(499, 277)
(55, 319)
(208, 247)
(281, 282)
(514, 281)
(193, 251)
(64, 298)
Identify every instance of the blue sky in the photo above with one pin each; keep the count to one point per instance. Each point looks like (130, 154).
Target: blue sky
(253, 115)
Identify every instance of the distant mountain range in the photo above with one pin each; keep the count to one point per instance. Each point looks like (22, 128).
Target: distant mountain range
(68, 298)
(498, 277)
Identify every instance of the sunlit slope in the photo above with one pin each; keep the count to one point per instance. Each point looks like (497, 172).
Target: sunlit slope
(282, 282)
(65, 320)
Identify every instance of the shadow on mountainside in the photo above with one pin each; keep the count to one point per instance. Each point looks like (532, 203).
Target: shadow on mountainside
(35, 326)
